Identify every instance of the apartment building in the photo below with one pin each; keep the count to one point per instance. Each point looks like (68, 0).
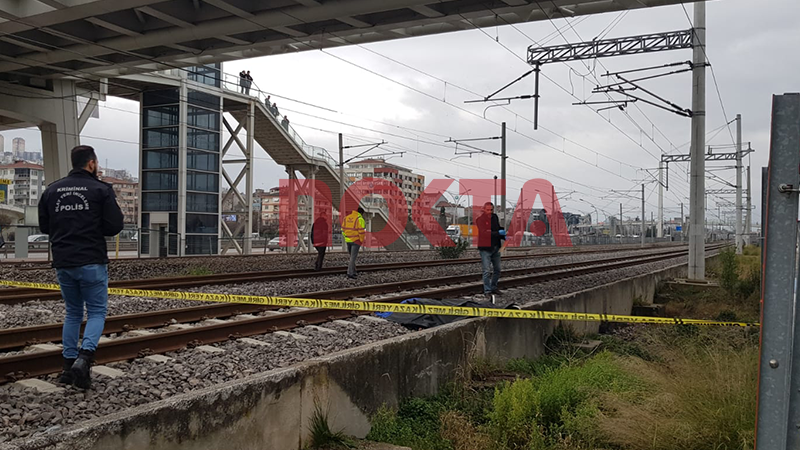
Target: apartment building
(409, 183)
(127, 197)
(27, 183)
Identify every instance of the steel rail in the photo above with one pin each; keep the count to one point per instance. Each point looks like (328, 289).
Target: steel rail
(12, 338)
(41, 363)
(11, 296)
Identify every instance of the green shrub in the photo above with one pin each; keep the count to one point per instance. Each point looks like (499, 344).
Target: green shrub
(453, 252)
(535, 412)
(415, 424)
(514, 417)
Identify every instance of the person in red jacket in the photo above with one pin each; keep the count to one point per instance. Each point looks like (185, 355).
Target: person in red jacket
(320, 238)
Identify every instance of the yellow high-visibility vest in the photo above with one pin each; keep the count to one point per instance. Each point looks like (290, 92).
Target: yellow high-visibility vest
(353, 228)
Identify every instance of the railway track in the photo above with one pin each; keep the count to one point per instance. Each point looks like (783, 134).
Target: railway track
(45, 264)
(42, 363)
(11, 296)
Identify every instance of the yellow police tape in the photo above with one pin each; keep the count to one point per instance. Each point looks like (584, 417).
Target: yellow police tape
(389, 307)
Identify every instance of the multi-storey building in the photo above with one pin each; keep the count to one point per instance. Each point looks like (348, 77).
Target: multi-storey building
(27, 183)
(127, 197)
(18, 147)
(409, 183)
(2, 143)
(180, 168)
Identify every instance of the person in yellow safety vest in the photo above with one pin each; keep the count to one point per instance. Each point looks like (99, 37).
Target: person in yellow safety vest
(355, 232)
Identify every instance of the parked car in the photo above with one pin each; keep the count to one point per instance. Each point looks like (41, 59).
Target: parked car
(278, 243)
(38, 238)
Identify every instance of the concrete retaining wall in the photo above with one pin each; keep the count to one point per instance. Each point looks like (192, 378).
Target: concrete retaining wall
(272, 410)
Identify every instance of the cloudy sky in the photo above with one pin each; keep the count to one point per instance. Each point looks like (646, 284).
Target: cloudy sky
(411, 93)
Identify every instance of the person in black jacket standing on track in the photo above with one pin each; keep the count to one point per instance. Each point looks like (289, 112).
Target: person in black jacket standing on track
(78, 211)
(490, 235)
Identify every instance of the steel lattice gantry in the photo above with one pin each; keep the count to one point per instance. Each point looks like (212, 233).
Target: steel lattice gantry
(629, 45)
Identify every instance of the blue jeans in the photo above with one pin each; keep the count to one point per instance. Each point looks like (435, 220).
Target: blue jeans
(83, 285)
(490, 276)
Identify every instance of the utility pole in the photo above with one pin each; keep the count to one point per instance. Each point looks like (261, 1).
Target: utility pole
(660, 231)
(342, 214)
(738, 228)
(503, 172)
(697, 188)
(748, 217)
(620, 220)
(643, 219)
(683, 225)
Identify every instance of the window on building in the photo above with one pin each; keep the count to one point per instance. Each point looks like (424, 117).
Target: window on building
(208, 74)
(202, 161)
(203, 99)
(160, 159)
(202, 223)
(203, 118)
(202, 202)
(202, 139)
(160, 116)
(160, 181)
(160, 137)
(158, 201)
(161, 97)
(201, 244)
(198, 181)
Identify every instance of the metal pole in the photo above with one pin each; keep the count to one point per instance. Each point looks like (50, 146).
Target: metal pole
(503, 173)
(643, 219)
(342, 213)
(660, 231)
(697, 188)
(249, 167)
(738, 226)
(683, 225)
(312, 188)
(495, 191)
(536, 69)
(622, 230)
(761, 240)
(777, 415)
(748, 218)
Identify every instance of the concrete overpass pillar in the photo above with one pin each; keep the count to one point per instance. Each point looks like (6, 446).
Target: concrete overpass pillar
(54, 111)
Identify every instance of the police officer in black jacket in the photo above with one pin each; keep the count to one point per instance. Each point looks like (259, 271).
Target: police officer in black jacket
(78, 211)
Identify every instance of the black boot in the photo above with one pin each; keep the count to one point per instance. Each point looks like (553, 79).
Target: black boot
(66, 375)
(82, 369)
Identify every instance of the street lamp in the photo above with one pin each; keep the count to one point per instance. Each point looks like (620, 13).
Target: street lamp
(469, 216)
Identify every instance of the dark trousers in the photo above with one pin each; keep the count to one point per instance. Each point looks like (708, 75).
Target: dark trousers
(352, 249)
(320, 257)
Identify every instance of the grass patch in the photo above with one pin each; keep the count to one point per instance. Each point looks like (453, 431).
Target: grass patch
(415, 424)
(650, 387)
(703, 395)
(322, 437)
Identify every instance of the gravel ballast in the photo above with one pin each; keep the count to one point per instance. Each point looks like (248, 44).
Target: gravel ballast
(52, 311)
(25, 412)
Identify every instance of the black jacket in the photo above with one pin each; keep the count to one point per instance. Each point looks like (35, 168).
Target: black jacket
(486, 229)
(78, 211)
